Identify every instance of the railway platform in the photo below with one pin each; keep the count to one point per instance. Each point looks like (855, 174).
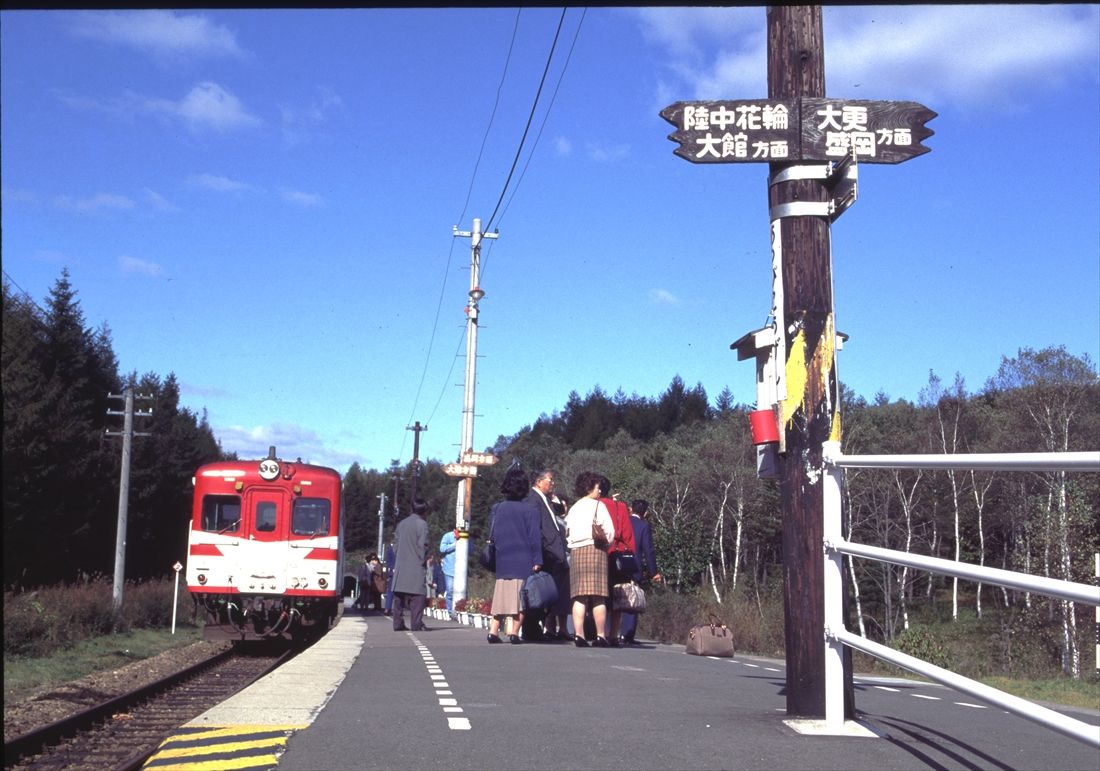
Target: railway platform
(367, 697)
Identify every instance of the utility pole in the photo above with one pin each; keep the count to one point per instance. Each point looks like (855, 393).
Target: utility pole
(810, 414)
(416, 429)
(395, 467)
(465, 484)
(381, 523)
(127, 433)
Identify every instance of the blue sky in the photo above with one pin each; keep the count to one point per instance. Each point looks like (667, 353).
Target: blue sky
(262, 202)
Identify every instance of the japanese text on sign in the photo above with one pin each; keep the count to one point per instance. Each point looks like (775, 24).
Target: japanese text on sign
(768, 130)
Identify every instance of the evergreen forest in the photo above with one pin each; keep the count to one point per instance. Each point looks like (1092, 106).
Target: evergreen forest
(716, 524)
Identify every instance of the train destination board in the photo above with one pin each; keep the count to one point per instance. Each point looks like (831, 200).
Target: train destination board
(800, 129)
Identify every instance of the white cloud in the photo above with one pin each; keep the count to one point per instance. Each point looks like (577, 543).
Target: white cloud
(97, 202)
(158, 201)
(218, 183)
(160, 33)
(300, 124)
(300, 198)
(290, 441)
(208, 105)
(663, 297)
(563, 146)
(976, 54)
(134, 265)
(604, 153)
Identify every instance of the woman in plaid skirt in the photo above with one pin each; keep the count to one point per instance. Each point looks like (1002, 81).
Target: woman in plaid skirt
(588, 559)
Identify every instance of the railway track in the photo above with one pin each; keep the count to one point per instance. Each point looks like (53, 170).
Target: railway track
(122, 732)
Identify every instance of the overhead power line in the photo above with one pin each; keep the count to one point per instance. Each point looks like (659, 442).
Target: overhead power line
(530, 118)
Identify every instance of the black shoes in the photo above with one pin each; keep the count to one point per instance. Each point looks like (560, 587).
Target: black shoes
(614, 642)
(601, 642)
(514, 639)
(493, 638)
(401, 628)
(579, 641)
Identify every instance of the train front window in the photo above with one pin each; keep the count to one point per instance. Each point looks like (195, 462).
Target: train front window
(265, 517)
(310, 516)
(221, 513)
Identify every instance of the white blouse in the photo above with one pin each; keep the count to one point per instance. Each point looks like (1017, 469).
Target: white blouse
(578, 522)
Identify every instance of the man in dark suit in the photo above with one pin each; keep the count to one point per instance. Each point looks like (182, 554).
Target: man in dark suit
(553, 546)
(647, 562)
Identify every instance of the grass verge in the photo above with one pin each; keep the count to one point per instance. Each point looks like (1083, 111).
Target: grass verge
(25, 677)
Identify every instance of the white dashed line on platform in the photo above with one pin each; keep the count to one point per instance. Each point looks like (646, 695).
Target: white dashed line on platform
(887, 688)
(442, 689)
(930, 698)
(968, 704)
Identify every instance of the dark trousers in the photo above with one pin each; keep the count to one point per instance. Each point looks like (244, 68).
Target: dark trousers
(415, 604)
(629, 625)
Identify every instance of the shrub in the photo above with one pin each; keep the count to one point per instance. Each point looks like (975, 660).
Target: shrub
(50, 618)
(922, 643)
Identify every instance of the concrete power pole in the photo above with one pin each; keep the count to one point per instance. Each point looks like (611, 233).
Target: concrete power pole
(127, 433)
(416, 429)
(796, 68)
(465, 484)
(381, 523)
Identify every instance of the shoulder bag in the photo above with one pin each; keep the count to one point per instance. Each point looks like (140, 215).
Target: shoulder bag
(598, 534)
(488, 556)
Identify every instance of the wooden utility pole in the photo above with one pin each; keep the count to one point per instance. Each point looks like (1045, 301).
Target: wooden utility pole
(809, 414)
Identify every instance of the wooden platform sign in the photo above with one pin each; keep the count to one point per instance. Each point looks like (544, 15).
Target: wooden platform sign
(800, 129)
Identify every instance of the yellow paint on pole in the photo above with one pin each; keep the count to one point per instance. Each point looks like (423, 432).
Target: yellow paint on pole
(798, 371)
(795, 376)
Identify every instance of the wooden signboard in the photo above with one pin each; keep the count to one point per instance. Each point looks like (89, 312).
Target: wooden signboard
(800, 129)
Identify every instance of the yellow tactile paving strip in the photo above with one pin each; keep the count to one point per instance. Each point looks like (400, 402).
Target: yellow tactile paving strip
(211, 748)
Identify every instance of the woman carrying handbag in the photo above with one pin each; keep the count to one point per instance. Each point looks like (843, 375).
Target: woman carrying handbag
(622, 562)
(589, 530)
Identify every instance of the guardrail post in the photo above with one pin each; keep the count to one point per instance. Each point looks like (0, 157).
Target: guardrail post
(833, 585)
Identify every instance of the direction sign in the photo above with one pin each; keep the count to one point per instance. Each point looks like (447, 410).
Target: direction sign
(801, 129)
(460, 470)
(479, 458)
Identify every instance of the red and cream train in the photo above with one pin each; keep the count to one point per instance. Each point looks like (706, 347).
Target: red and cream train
(266, 549)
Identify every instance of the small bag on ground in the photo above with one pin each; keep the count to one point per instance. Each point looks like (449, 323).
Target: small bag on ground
(628, 597)
(539, 591)
(711, 639)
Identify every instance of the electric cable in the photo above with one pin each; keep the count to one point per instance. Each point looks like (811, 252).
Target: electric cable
(450, 251)
(530, 117)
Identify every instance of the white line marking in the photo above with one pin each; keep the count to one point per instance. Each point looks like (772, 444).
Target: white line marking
(968, 704)
(448, 702)
(772, 669)
(459, 723)
(887, 688)
(930, 698)
(452, 709)
(436, 677)
(441, 685)
(754, 666)
(444, 693)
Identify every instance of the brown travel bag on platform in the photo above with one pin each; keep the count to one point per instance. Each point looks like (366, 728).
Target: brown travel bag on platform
(710, 639)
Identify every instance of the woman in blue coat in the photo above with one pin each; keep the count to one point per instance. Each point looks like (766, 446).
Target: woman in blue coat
(515, 528)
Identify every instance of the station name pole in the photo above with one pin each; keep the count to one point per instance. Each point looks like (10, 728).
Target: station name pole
(809, 413)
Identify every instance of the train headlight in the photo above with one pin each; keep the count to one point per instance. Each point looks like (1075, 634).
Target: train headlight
(322, 583)
(202, 578)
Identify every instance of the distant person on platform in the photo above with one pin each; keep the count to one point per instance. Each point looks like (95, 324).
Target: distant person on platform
(447, 546)
(410, 569)
(647, 562)
(391, 555)
(553, 556)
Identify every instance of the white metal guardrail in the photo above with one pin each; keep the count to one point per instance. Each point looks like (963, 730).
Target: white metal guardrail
(837, 635)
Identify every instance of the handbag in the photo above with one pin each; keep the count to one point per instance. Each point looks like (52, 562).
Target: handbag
(599, 537)
(629, 597)
(711, 639)
(488, 555)
(626, 566)
(539, 591)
